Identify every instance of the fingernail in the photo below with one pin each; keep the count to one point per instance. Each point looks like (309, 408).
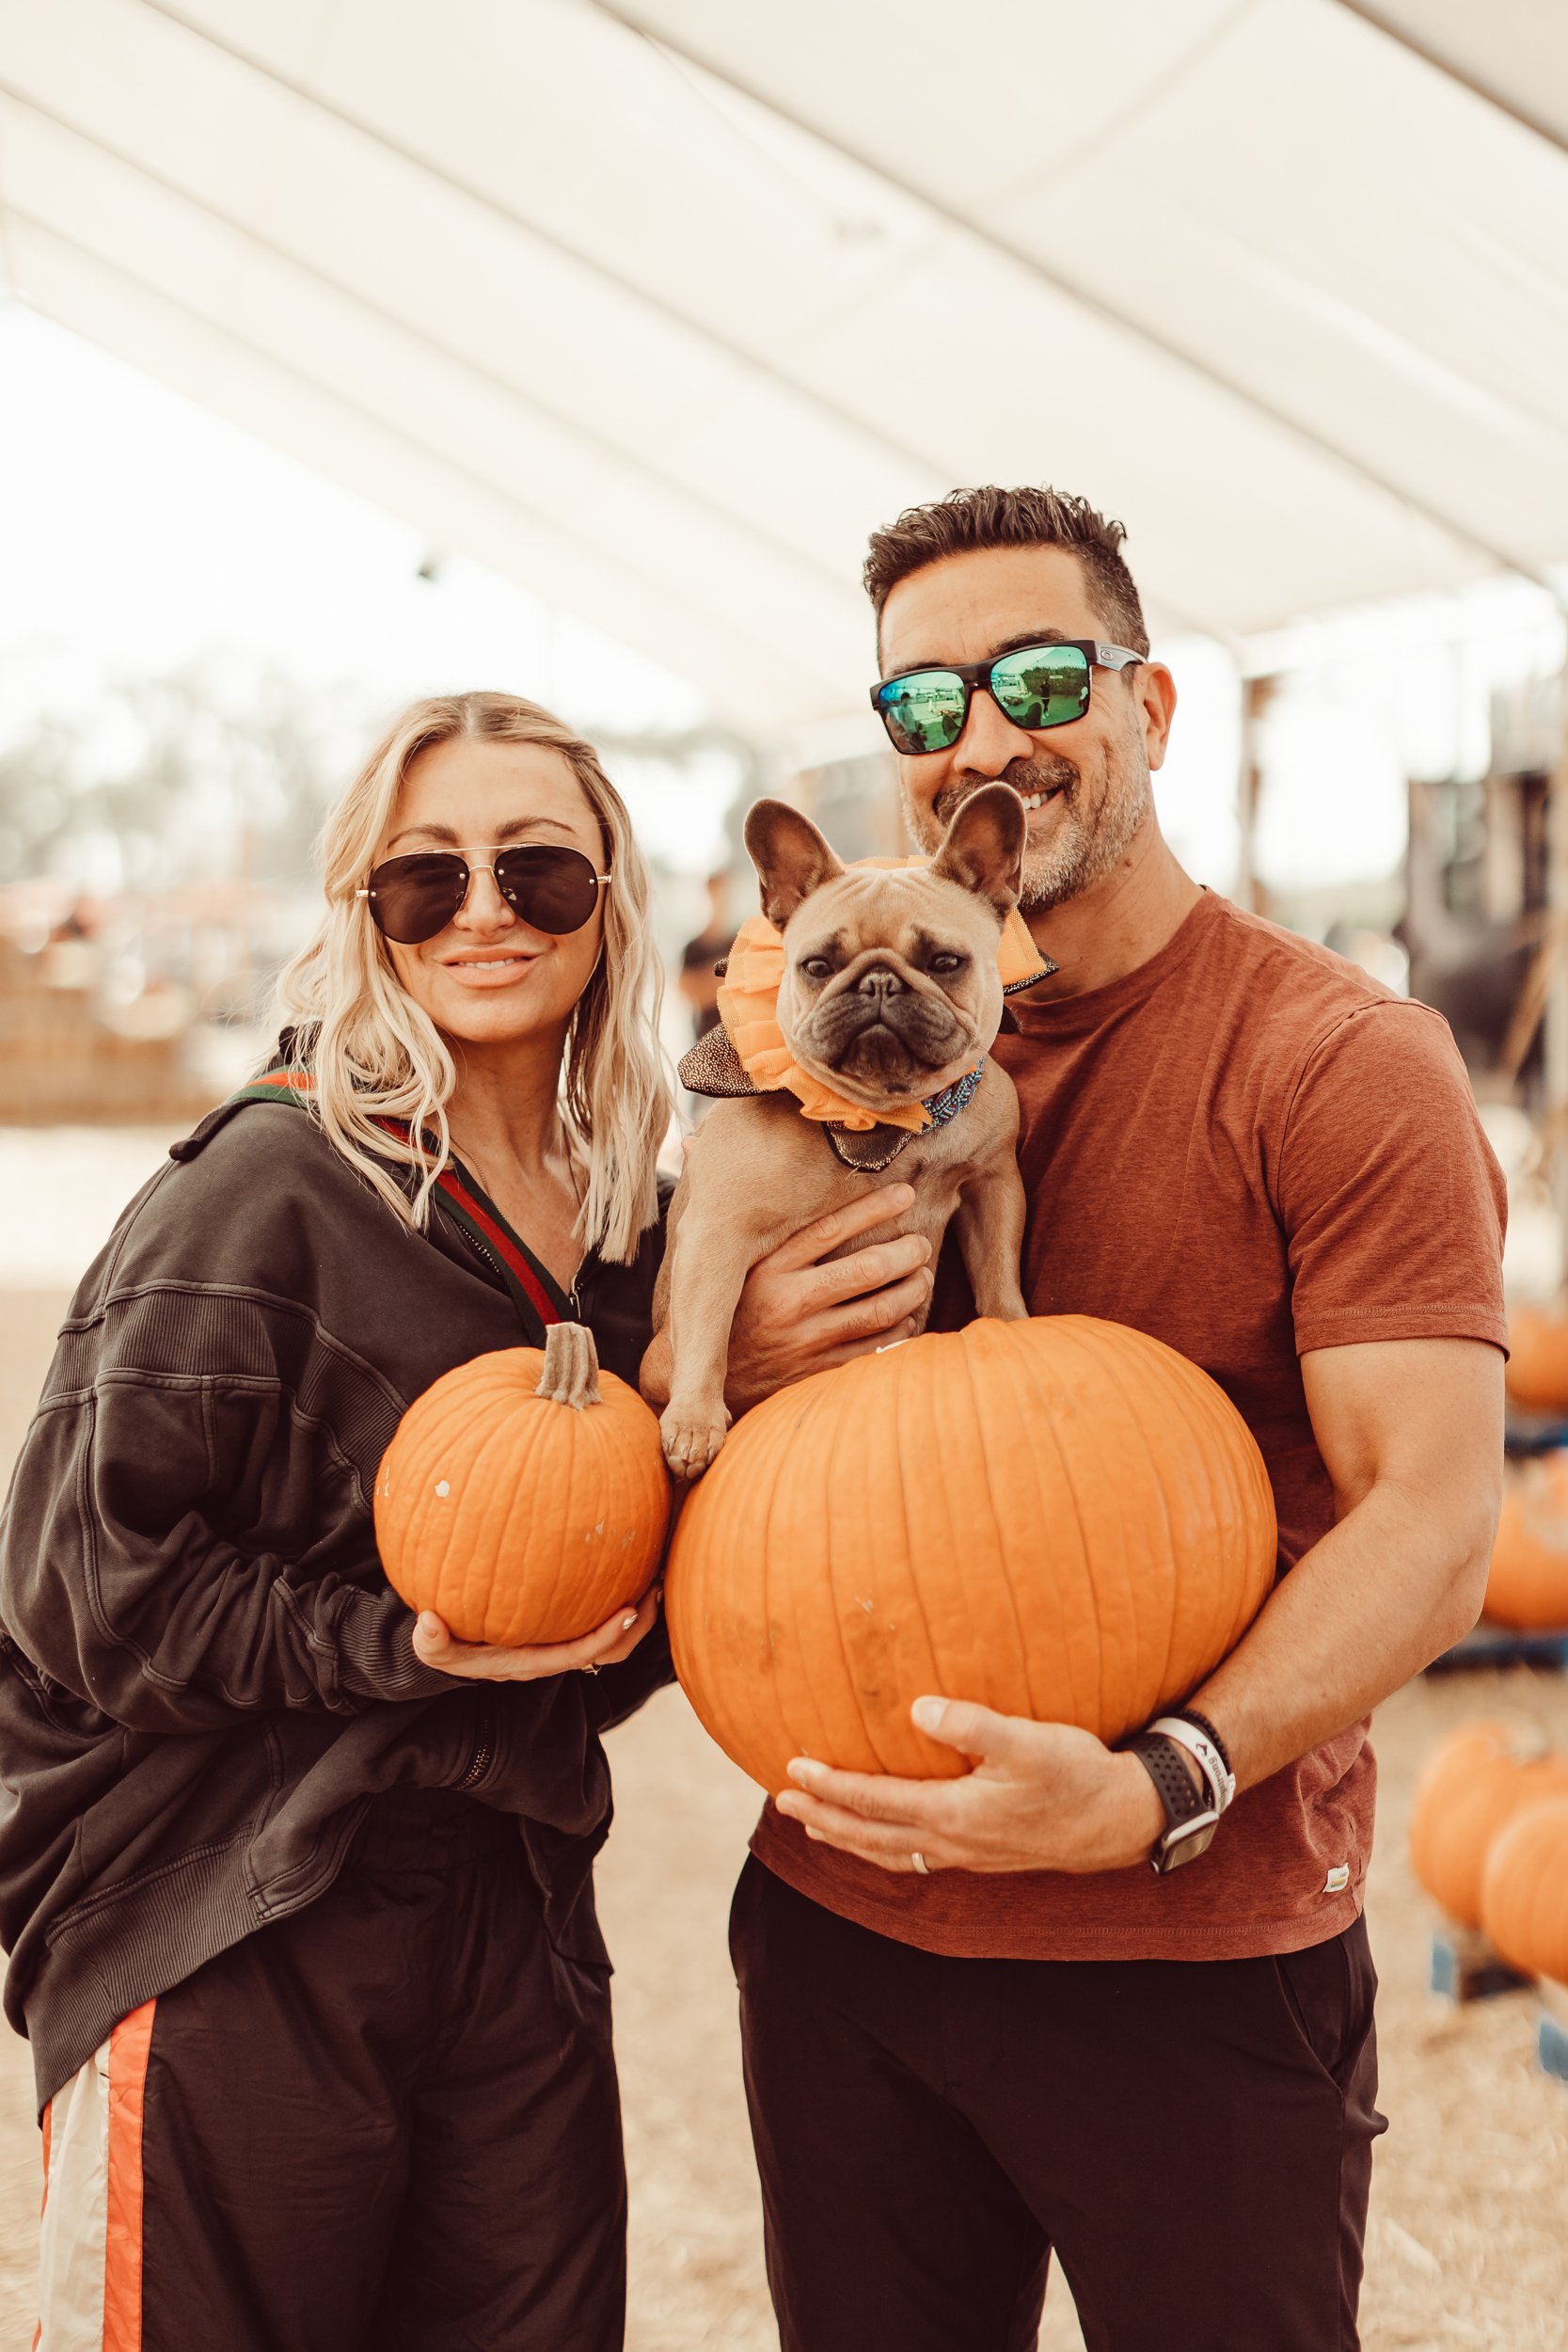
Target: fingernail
(626, 1623)
(816, 1838)
(926, 1714)
(801, 1768)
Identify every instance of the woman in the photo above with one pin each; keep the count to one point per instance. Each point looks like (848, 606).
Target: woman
(298, 1891)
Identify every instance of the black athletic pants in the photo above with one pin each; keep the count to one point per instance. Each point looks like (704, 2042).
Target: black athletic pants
(387, 2124)
(1192, 2139)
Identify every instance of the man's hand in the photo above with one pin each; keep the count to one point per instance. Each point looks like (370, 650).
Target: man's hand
(800, 1312)
(1041, 1797)
(481, 1662)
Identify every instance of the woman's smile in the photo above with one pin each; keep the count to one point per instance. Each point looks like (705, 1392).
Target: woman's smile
(496, 967)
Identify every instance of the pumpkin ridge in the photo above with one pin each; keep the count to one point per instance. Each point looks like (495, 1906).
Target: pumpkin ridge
(1085, 1339)
(840, 1425)
(793, 1663)
(912, 1439)
(791, 1742)
(1059, 1706)
(498, 1499)
(1025, 1373)
(1209, 1448)
(1075, 1470)
(1178, 1395)
(1050, 1704)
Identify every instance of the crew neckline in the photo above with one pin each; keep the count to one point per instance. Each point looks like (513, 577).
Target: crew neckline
(1076, 1015)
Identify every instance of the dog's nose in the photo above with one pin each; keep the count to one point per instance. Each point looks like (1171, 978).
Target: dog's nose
(879, 983)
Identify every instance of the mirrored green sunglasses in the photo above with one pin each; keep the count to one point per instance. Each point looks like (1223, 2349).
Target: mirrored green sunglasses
(1034, 686)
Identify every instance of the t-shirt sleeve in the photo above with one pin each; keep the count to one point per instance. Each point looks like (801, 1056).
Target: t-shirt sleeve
(1392, 1202)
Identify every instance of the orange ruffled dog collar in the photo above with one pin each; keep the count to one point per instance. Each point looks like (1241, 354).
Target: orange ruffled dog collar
(749, 1002)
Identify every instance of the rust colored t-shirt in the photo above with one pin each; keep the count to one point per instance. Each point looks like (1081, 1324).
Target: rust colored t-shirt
(1250, 1150)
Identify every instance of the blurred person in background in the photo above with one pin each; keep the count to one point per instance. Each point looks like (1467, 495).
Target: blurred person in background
(699, 981)
(297, 1889)
(979, 2026)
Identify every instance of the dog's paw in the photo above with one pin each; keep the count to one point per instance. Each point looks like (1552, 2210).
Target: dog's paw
(692, 1437)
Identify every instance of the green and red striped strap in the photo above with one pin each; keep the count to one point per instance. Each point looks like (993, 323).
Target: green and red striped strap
(533, 1290)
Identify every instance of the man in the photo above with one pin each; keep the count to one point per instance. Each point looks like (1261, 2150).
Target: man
(979, 2026)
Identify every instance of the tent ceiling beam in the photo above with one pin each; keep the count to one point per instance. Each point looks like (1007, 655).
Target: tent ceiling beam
(795, 557)
(739, 354)
(1383, 22)
(638, 23)
(501, 494)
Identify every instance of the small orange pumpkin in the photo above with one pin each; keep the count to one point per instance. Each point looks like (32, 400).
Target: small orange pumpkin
(1523, 1905)
(1471, 1787)
(1061, 1518)
(1527, 1585)
(524, 1496)
(1537, 1372)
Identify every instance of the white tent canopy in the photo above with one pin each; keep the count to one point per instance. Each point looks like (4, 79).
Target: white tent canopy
(659, 308)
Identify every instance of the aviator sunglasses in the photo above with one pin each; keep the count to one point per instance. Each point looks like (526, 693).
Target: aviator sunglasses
(552, 890)
(1034, 686)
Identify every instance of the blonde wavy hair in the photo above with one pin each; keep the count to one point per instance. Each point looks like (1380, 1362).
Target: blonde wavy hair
(375, 1055)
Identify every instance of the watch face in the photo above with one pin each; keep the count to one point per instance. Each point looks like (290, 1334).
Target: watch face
(1185, 1843)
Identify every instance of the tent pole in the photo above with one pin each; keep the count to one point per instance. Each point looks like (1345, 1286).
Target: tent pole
(1391, 31)
(1555, 1107)
(1256, 695)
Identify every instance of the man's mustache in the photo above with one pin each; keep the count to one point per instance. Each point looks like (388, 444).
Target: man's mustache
(1024, 775)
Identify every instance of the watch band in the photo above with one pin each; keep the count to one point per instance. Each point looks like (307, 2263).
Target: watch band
(1172, 1781)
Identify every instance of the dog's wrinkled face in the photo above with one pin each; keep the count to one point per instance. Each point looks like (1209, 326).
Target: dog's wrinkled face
(890, 989)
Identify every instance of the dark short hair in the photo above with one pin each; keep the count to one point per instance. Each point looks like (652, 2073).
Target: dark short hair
(967, 520)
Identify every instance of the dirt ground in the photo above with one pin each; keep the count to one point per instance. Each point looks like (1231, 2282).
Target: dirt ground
(1468, 2244)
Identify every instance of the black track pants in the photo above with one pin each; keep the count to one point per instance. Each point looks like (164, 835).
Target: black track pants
(1192, 2139)
(387, 2124)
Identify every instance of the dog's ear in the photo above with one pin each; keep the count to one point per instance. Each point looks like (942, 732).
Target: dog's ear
(983, 848)
(790, 856)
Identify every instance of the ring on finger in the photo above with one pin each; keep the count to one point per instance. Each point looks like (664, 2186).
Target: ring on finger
(588, 1670)
(922, 1865)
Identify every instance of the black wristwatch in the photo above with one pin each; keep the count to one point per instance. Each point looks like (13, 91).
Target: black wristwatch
(1191, 1818)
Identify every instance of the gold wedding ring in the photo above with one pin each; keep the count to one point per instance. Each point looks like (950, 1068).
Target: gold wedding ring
(921, 1865)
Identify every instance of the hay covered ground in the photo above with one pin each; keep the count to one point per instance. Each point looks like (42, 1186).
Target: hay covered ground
(1469, 2233)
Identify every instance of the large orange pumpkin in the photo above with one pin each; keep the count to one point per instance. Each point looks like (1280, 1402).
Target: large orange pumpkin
(1537, 1372)
(1527, 1585)
(1060, 1519)
(524, 1496)
(1471, 1787)
(1524, 1904)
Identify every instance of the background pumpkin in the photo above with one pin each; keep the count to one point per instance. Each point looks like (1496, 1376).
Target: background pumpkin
(1537, 1372)
(1472, 1785)
(1524, 1891)
(524, 1496)
(1061, 1518)
(1527, 1585)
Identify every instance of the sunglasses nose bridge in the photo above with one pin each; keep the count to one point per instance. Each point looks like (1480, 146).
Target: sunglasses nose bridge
(485, 902)
(989, 740)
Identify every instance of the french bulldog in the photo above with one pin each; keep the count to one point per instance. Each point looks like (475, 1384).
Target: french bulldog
(891, 996)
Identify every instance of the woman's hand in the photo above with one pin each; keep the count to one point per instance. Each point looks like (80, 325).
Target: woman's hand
(478, 1662)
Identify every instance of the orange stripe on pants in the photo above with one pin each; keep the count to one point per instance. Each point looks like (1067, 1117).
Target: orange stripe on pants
(90, 2264)
(129, 2046)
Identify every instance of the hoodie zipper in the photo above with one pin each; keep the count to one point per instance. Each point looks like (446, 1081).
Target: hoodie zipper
(485, 1751)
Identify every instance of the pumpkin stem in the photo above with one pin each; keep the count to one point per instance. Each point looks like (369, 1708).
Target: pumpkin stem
(571, 1374)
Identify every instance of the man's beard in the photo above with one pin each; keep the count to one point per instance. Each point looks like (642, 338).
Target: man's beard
(1087, 842)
